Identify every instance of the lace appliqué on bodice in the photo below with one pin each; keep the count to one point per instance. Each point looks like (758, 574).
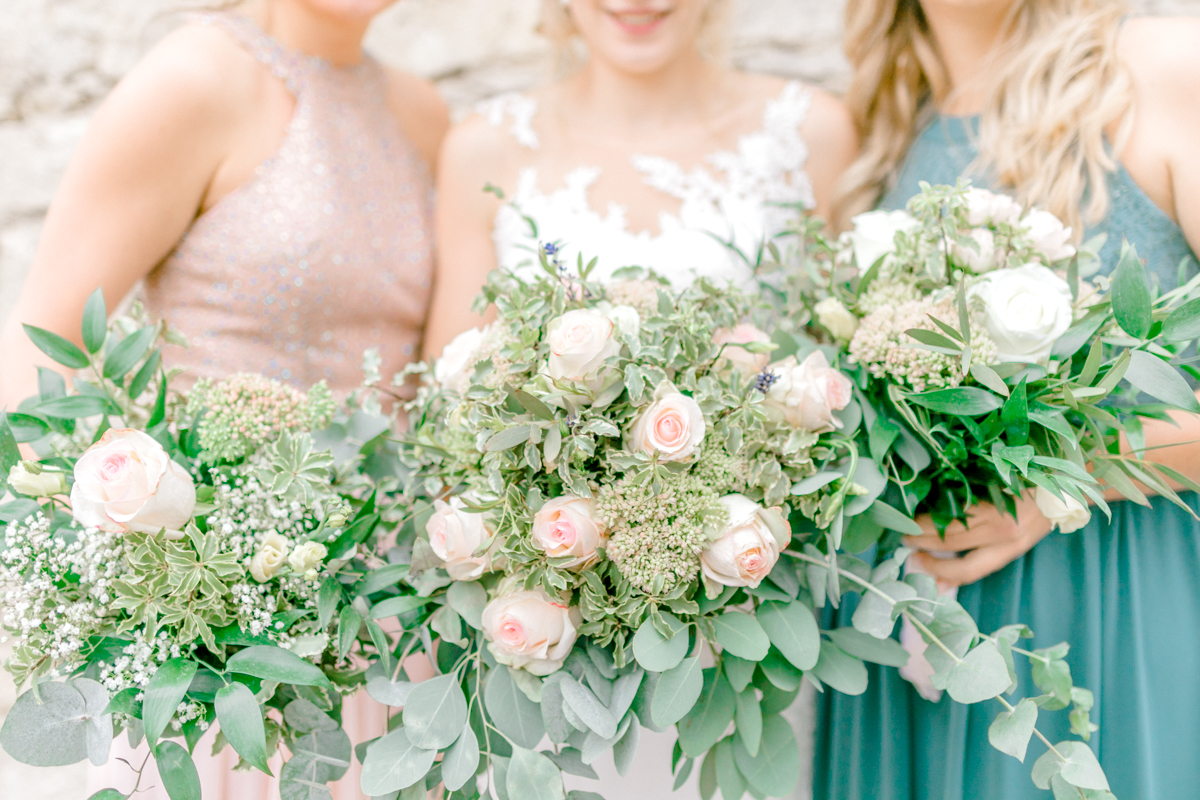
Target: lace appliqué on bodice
(732, 200)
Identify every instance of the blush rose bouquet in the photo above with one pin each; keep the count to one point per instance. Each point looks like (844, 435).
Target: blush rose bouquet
(618, 480)
(173, 560)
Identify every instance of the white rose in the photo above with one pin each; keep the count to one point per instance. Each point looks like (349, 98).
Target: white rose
(580, 342)
(1026, 310)
(33, 479)
(567, 526)
(1048, 235)
(806, 395)
(456, 535)
(307, 557)
(269, 558)
(834, 317)
(874, 235)
(530, 631)
(988, 208)
(741, 359)
(672, 426)
(126, 481)
(981, 258)
(1067, 513)
(454, 369)
(626, 319)
(746, 550)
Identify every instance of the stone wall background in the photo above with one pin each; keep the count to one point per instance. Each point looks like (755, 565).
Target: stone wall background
(58, 59)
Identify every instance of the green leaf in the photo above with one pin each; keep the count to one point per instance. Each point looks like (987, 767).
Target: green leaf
(793, 629)
(741, 635)
(507, 439)
(775, 771)
(435, 713)
(319, 757)
(395, 606)
(988, 377)
(962, 401)
(57, 348)
(534, 406)
(1082, 769)
(95, 322)
(394, 763)
(841, 671)
(164, 694)
(1160, 380)
(27, 428)
(242, 723)
(1011, 730)
(874, 614)
(178, 773)
(677, 691)
(1130, 294)
(64, 727)
(981, 676)
(131, 349)
(328, 597)
(739, 671)
(349, 624)
(888, 652)
(532, 776)
(142, 379)
(749, 721)
(512, 712)
(461, 761)
(589, 709)
(1184, 323)
(468, 599)
(306, 717)
(894, 520)
(731, 781)
(934, 339)
(74, 407)
(10, 454)
(107, 794)
(276, 664)
(705, 724)
(654, 651)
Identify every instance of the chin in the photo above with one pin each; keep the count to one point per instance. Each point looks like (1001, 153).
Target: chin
(639, 36)
(349, 9)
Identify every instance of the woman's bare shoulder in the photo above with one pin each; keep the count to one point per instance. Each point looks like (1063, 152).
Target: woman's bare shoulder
(421, 110)
(1163, 54)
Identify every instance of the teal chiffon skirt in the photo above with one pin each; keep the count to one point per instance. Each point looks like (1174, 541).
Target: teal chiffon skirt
(1126, 595)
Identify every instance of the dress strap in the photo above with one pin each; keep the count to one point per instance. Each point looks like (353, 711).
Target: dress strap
(288, 65)
(784, 115)
(519, 109)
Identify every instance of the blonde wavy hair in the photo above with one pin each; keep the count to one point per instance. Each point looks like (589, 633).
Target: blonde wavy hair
(1058, 86)
(557, 25)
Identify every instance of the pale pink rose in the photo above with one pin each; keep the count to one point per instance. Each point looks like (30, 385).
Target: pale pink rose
(746, 551)
(580, 342)
(672, 426)
(456, 536)
(567, 526)
(740, 358)
(530, 631)
(127, 482)
(806, 395)
(456, 367)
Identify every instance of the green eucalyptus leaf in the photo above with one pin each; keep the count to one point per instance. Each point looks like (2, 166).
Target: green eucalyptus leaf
(435, 713)
(677, 691)
(461, 761)
(729, 778)
(705, 724)
(588, 708)
(511, 711)
(656, 652)
(394, 606)
(749, 722)
(177, 771)
(64, 726)
(739, 671)
(874, 614)
(276, 664)
(793, 629)
(741, 635)
(841, 671)
(775, 771)
(981, 676)
(1011, 730)
(58, 348)
(306, 717)
(164, 694)
(532, 776)
(468, 598)
(241, 722)
(393, 763)
(107, 794)
(888, 652)
(894, 520)
(508, 439)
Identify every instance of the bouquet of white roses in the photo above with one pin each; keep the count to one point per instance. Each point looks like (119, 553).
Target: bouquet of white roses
(172, 562)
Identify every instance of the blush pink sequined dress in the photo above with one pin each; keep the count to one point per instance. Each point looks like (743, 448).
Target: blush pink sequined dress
(326, 251)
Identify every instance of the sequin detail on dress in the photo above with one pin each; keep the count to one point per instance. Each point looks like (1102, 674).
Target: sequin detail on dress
(326, 251)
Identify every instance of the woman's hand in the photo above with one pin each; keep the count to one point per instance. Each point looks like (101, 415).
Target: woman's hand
(992, 541)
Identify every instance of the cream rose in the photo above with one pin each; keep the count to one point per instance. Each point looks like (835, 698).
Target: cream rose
(530, 631)
(567, 526)
(580, 342)
(988, 208)
(672, 426)
(834, 317)
(806, 395)
(307, 558)
(1026, 310)
(874, 235)
(454, 369)
(1049, 235)
(456, 535)
(126, 481)
(746, 550)
(741, 359)
(1067, 513)
(980, 258)
(33, 479)
(269, 558)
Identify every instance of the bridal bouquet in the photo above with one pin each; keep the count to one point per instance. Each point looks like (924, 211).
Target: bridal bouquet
(169, 563)
(603, 480)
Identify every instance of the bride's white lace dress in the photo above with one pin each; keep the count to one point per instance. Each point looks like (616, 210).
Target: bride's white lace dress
(728, 207)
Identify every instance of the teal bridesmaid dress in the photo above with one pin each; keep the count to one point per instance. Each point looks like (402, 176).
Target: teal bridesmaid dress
(1125, 594)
